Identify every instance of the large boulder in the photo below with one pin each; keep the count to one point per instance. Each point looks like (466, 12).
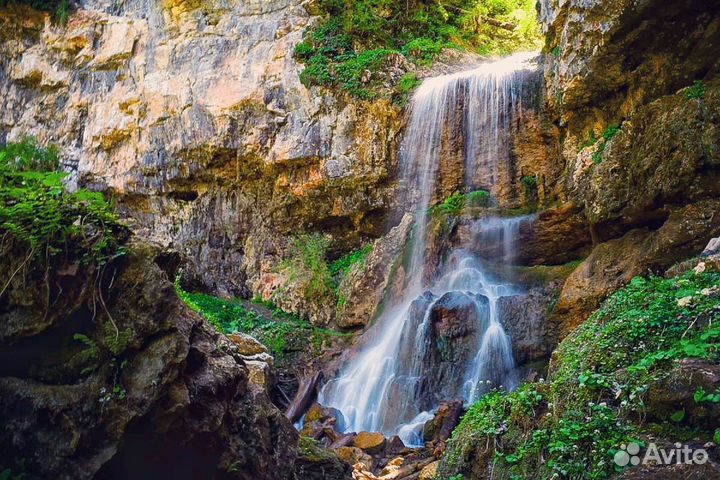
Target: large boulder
(138, 386)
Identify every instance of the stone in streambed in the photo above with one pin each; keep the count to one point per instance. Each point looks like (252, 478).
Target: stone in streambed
(370, 442)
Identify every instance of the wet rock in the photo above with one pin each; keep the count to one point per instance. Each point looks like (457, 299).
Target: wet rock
(395, 446)
(447, 417)
(317, 463)
(676, 392)
(355, 456)
(526, 318)
(370, 442)
(365, 284)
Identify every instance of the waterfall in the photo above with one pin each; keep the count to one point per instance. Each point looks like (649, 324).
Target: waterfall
(443, 338)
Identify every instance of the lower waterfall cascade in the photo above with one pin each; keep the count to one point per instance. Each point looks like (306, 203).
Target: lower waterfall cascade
(403, 370)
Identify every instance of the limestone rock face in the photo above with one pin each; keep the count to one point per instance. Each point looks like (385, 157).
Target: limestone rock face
(365, 285)
(609, 57)
(193, 116)
(614, 263)
(140, 386)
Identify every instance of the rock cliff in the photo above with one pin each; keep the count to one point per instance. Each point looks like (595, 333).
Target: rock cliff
(193, 117)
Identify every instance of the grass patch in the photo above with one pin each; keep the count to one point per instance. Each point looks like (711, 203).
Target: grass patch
(571, 426)
(283, 334)
(342, 265)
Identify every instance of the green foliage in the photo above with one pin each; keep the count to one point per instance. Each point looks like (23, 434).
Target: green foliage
(59, 8)
(571, 426)
(703, 397)
(308, 268)
(37, 212)
(529, 181)
(607, 135)
(408, 83)
(354, 41)
(455, 204)
(696, 91)
(89, 356)
(282, 334)
(424, 50)
(342, 265)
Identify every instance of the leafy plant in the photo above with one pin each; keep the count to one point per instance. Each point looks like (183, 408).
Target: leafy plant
(607, 135)
(39, 215)
(702, 397)
(696, 91)
(455, 204)
(283, 334)
(571, 426)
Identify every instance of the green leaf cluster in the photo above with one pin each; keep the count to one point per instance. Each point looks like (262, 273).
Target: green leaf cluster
(39, 214)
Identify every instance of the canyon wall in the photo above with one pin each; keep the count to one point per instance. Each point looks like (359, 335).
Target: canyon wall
(193, 118)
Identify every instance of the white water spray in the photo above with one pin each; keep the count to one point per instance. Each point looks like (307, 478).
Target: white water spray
(404, 369)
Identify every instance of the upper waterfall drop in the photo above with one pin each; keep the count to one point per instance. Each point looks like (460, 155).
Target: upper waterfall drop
(401, 372)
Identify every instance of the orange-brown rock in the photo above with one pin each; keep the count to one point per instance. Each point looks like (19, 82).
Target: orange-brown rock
(370, 442)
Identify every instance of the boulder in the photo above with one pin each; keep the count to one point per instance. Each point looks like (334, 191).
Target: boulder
(429, 472)
(676, 391)
(614, 263)
(370, 442)
(447, 417)
(525, 318)
(247, 345)
(153, 389)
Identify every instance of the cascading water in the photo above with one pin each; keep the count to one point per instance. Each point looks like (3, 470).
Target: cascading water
(418, 354)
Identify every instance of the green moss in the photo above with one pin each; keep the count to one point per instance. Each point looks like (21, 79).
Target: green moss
(571, 426)
(341, 266)
(312, 451)
(458, 203)
(307, 267)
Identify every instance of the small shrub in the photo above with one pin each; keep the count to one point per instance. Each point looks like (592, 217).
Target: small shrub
(308, 268)
(529, 181)
(455, 204)
(408, 83)
(607, 135)
(423, 50)
(696, 91)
